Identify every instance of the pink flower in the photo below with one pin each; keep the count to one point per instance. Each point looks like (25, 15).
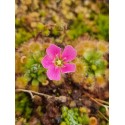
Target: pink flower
(57, 62)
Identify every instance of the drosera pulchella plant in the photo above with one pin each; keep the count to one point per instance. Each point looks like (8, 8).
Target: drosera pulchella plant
(91, 64)
(28, 65)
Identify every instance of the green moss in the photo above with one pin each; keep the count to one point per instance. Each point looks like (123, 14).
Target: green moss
(77, 28)
(55, 31)
(102, 24)
(63, 123)
(17, 22)
(42, 13)
(40, 26)
(22, 36)
(74, 117)
(23, 105)
(85, 119)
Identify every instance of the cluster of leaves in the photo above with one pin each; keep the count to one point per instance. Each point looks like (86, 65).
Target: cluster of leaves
(77, 28)
(23, 105)
(96, 65)
(102, 24)
(91, 19)
(25, 109)
(28, 66)
(23, 34)
(92, 65)
(74, 116)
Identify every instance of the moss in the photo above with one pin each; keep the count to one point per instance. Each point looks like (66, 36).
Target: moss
(22, 36)
(73, 116)
(21, 82)
(55, 31)
(102, 24)
(40, 26)
(23, 105)
(77, 28)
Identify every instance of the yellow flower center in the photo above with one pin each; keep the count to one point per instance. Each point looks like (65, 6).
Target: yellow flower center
(58, 62)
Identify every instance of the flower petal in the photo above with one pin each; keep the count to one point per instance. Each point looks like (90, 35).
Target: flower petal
(53, 50)
(68, 68)
(46, 62)
(54, 73)
(69, 53)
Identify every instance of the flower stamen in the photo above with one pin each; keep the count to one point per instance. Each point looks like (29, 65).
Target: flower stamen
(58, 62)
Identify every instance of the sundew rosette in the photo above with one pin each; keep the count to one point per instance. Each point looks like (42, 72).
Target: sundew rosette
(91, 64)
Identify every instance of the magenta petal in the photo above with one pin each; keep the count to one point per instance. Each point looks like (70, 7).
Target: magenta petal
(69, 53)
(46, 62)
(68, 68)
(53, 50)
(54, 73)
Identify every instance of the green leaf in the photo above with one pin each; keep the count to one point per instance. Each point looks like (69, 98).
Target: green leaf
(29, 62)
(35, 82)
(85, 119)
(42, 78)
